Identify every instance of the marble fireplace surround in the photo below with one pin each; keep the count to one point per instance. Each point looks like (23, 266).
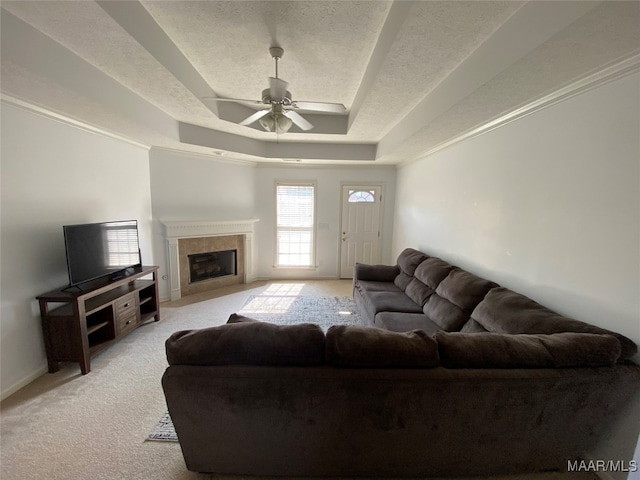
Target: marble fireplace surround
(194, 237)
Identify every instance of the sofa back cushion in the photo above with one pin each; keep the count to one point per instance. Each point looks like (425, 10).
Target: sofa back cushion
(426, 279)
(472, 327)
(235, 318)
(408, 261)
(494, 350)
(455, 298)
(248, 343)
(505, 311)
(350, 346)
(491, 350)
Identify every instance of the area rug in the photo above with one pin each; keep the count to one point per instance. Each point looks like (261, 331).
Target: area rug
(283, 310)
(164, 430)
(295, 309)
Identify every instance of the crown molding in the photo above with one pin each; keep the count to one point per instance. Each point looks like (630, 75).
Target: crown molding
(308, 164)
(208, 156)
(66, 120)
(613, 72)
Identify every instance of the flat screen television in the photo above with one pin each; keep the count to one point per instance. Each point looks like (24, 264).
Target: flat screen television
(96, 250)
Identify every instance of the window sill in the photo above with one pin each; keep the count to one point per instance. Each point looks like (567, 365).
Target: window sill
(292, 267)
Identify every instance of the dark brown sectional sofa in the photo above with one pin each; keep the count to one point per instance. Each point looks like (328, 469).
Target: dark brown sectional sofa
(485, 381)
(424, 292)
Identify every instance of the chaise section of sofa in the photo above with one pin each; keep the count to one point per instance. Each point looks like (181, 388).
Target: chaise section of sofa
(505, 311)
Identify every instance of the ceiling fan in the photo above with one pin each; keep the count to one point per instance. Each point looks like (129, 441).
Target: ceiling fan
(281, 111)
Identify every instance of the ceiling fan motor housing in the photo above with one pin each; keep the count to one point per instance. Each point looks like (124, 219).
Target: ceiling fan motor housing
(268, 100)
(280, 113)
(276, 52)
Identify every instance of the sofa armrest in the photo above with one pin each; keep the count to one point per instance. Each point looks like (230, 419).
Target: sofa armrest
(375, 273)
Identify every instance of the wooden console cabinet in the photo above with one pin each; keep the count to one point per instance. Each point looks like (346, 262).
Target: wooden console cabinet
(78, 322)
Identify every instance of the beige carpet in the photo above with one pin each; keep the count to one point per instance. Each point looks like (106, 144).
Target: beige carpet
(71, 426)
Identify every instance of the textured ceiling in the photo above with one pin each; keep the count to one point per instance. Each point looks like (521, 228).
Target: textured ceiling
(413, 75)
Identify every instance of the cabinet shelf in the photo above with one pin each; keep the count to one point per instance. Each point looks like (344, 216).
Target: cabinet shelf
(97, 327)
(79, 322)
(148, 316)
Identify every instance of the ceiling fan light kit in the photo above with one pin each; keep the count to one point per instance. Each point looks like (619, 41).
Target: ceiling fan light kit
(276, 122)
(280, 116)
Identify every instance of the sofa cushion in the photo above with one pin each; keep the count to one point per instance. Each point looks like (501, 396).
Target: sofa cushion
(235, 318)
(490, 350)
(494, 350)
(418, 291)
(390, 302)
(426, 279)
(445, 314)
(349, 346)
(472, 327)
(505, 311)
(370, 286)
(408, 261)
(248, 343)
(464, 289)
(405, 322)
(432, 271)
(402, 280)
(455, 298)
(582, 349)
(375, 273)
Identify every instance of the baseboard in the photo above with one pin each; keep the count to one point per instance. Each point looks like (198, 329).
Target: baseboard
(302, 278)
(23, 383)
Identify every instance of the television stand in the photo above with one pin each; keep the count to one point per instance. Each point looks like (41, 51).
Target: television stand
(78, 324)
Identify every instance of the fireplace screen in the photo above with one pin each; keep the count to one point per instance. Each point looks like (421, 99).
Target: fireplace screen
(203, 266)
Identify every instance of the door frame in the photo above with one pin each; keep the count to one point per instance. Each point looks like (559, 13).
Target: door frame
(359, 184)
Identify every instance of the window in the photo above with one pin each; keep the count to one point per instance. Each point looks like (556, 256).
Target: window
(361, 196)
(295, 211)
(122, 244)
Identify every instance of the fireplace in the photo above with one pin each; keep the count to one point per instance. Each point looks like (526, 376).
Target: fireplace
(186, 239)
(203, 266)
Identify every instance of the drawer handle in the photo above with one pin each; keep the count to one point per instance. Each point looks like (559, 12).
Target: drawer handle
(128, 322)
(126, 304)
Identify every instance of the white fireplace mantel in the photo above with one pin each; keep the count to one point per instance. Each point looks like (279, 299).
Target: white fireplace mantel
(176, 230)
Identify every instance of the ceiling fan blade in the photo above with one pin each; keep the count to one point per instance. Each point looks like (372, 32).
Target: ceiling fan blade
(256, 116)
(278, 88)
(298, 119)
(237, 100)
(320, 106)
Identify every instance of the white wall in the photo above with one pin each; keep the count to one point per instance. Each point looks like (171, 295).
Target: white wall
(187, 186)
(329, 181)
(55, 174)
(548, 205)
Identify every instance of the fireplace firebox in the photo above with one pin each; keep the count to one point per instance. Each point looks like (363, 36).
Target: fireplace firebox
(203, 266)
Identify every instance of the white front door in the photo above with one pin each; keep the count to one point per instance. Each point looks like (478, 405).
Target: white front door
(360, 227)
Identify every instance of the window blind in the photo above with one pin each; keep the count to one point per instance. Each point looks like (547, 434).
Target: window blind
(295, 219)
(122, 246)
